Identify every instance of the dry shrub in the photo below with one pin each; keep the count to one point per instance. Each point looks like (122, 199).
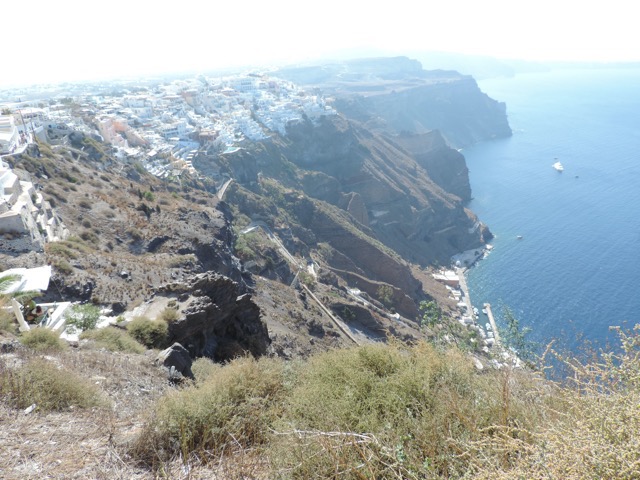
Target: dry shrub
(595, 431)
(8, 323)
(169, 315)
(113, 339)
(232, 409)
(203, 369)
(388, 410)
(42, 339)
(47, 385)
(392, 411)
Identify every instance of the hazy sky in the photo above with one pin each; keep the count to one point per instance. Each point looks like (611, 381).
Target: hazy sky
(80, 39)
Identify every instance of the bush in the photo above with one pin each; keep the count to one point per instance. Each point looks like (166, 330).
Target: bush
(7, 322)
(51, 388)
(169, 315)
(113, 339)
(151, 334)
(42, 339)
(204, 368)
(233, 408)
(63, 266)
(405, 412)
(60, 250)
(83, 317)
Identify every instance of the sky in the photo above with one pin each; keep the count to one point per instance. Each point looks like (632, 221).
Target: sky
(67, 40)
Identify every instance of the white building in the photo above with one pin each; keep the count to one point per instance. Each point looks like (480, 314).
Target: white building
(9, 135)
(26, 220)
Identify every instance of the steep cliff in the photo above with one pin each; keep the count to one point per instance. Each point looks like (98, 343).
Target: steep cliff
(455, 106)
(396, 95)
(358, 202)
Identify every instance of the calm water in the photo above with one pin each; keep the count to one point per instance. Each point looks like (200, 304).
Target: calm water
(576, 271)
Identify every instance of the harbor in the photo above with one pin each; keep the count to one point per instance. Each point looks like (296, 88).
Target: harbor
(492, 321)
(456, 283)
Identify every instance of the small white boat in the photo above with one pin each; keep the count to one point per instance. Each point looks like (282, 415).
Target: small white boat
(558, 166)
(484, 310)
(519, 237)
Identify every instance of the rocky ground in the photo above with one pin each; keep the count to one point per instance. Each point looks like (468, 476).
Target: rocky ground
(94, 443)
(133, 234)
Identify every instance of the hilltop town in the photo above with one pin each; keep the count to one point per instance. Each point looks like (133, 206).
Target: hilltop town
(164, 125)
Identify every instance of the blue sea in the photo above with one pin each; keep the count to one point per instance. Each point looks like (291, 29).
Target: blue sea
(576, 269)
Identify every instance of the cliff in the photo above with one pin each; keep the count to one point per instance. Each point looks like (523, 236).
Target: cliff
(396, 95)
(358, 203)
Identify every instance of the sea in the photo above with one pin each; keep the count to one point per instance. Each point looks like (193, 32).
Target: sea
(575, 271)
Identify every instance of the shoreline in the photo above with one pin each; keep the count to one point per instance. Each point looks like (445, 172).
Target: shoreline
(456, 282)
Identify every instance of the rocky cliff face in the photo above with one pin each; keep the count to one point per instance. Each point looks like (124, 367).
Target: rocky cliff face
(455, 106)
(396, 95)
(217, 321)
(368, 196)
(446, 166)
(405, 207)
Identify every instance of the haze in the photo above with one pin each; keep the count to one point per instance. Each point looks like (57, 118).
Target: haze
(70, 40)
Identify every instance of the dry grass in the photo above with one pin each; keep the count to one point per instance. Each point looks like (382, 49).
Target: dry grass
(81, 443)
(379, 411)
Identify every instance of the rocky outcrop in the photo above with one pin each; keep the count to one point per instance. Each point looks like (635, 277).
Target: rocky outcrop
(414, 203)
(177, 360)
(446, 166)
(217, 321)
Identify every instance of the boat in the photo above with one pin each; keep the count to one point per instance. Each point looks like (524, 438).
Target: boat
(519, 237)
(558, 166)
(484, 310)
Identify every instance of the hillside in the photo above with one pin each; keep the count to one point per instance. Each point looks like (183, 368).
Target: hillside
(301, 248)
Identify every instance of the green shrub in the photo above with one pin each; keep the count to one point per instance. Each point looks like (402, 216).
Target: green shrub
(63, 266)
(385, 295)
(83, 317)
(147, 195)
(47, 385)
(405, 412)
(42, 339)
(60, 250)
(113, 339)
(247, 245)
(151, 334)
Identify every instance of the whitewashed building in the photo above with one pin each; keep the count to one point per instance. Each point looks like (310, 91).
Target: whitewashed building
(9, 135)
